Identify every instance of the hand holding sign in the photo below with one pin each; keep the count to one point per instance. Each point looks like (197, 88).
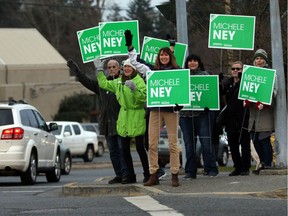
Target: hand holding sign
(98, 64)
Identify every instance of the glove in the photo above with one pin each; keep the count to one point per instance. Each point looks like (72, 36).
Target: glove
(206, 109)
(177, 108)
(98, 64)
(128, 38)
(259, 105)
(246, 103)
(171, 40)
(73, 66)
(130, 84)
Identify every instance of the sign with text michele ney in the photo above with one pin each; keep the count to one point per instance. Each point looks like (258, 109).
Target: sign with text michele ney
(257, 84)
(88, 40)
(231, 32)
(151, 47)
(168, 87)
(112, 37)
(204, 92)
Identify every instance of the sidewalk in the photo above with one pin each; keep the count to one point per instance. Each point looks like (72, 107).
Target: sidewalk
(270, 183)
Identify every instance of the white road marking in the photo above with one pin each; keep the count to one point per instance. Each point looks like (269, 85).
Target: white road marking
(152, 206)
(22, 191)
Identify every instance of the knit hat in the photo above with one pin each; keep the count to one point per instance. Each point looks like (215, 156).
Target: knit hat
(127, 62)
(261, 53)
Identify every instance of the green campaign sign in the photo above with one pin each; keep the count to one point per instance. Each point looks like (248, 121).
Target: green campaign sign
(88, 40)
(112, 38)
(231, 32)
(168, 87)
(204, 92)
(257, 84)
(151, 47)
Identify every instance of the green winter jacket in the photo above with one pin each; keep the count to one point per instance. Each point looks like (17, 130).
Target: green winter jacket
(131, 119)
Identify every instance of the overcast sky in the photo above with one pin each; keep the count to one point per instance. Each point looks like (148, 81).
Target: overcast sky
(124, 3)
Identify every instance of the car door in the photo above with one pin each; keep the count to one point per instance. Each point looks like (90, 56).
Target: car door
(47, 139)
(34, 133)
(79, 139)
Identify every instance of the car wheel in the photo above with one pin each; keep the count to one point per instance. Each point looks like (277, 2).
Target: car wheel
(67, 164)
(100, 151)
(54, 175)
(29, 177)
(89, 154)
(223, 161)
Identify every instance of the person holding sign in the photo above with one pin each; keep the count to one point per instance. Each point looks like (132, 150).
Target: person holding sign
(109, 111)
(237, 123)
(198, 123)
(165, 60)
(261, 121)
(130, 91)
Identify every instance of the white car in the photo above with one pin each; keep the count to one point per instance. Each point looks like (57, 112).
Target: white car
(27, 146)
(81, 143)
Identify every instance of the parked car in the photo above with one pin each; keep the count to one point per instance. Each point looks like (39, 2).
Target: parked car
(66, 159)
(27, 146)
(221, 150)
(102, 144)
(81, 143)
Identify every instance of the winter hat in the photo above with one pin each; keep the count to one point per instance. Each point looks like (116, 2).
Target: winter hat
(261, 53)
(127, 62)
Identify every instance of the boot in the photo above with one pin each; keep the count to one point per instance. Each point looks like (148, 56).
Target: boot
(153, 180)
(175, 180)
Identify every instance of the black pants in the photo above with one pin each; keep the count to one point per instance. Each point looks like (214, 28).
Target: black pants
(141, 152)
(241, 162)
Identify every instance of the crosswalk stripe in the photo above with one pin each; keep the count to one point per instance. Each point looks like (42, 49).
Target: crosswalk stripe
(152, 206)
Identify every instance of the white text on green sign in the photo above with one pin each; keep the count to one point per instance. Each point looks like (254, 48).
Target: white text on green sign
(231, 32)
(89, 43)
(168, 87)
(204, 92)
(257, 84)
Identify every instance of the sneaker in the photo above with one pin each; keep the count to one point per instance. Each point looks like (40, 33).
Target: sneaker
(161, 173)
(189, 177)
(115, 180)
(235, 173)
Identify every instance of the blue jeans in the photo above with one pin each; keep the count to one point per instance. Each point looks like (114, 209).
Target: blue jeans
(116, 155)
(263, 148)
(201, 126)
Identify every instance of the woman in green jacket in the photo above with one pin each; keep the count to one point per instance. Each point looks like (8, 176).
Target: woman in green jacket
(130, 91)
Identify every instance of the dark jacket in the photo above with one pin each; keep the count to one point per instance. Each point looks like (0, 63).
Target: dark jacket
(109, 106)
(235, 110)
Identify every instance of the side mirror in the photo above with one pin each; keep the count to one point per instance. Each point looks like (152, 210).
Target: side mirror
(66, 133)
(53, 126)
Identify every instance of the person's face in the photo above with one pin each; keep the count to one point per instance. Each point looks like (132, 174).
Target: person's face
(235, 69)
(128, 70)
(193, 64)
(259, 61)
(113, 68)
(164, 58)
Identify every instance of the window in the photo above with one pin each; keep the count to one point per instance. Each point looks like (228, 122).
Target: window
(28, 118)
(76, 129)
(41, 121)
(6, 117)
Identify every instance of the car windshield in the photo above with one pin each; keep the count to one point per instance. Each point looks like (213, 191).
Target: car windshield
(6, 117)
(57, 132)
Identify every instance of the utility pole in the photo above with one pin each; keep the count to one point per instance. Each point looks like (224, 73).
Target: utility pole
(182, 37)
(281, 104)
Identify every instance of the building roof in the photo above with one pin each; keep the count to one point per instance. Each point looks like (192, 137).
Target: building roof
(27, 46)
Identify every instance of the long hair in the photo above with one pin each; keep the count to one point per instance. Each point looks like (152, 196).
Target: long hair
(172, 62)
